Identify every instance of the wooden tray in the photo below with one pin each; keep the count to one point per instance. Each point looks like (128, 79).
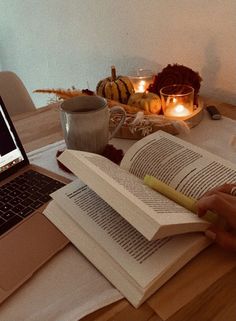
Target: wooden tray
(152, 123)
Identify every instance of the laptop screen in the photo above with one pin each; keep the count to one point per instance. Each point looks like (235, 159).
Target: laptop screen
(12, 154)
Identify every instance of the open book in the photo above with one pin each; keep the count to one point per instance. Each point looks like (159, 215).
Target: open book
(135, 236)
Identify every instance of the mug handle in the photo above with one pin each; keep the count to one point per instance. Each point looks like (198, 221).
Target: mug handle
(120, 110)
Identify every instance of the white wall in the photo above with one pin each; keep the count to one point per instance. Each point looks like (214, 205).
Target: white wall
(60, 43)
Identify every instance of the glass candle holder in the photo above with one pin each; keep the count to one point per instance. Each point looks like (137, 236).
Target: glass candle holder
(141, 80)
(177, 100)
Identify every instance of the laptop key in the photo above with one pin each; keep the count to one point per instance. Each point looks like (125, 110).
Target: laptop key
(5, 208)
(26, 212)
(24, 187)
(35, 196)
(24, 195)
(14, 193)
(8, 215)
(33, 189)
(36, 204)
(26, 202)
(18, 208)
(15, 201)
(45, 198)
(6, 199)
(12, 187)
(3, 192)
(9, 224)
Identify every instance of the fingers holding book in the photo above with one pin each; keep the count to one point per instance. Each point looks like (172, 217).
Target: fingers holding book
(222, 201)
(225, 239)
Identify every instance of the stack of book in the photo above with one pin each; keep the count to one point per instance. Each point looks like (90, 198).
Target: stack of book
(135, 236)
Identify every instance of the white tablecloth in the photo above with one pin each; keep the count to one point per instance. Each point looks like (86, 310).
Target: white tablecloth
(69, 287)
(215, 136)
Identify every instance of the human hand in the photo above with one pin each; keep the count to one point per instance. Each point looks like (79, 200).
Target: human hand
(221, 201)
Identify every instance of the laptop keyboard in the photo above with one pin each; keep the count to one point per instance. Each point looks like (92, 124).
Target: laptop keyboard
(23, 195)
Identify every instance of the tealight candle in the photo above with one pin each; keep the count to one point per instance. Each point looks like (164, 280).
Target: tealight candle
(177, 100)
(141, 86)
(141, 80)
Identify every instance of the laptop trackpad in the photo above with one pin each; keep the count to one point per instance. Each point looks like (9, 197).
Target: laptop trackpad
(25, 249)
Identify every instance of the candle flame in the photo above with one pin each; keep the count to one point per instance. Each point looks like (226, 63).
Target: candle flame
(179, 108)
(141, 86)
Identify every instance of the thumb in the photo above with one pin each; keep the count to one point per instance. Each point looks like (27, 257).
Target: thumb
(224, 238)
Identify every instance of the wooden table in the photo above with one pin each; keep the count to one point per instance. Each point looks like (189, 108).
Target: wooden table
(39, 128)
(216, 294)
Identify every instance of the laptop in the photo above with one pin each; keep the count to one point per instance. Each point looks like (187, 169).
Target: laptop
(27, 238)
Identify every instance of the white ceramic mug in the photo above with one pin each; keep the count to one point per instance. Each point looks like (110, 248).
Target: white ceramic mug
(85, 123)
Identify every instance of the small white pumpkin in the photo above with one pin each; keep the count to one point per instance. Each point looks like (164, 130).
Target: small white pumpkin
(149, 102)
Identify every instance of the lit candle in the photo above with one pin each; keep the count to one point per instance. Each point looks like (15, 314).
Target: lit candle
(177, 111)
(141, 80)
(177, 100)
(141, 87)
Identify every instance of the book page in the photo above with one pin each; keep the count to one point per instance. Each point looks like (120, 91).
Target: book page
(185, 167)
(152, 214)
(143, 260)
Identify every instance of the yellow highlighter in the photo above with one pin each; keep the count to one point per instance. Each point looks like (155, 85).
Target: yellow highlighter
(181, 199)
